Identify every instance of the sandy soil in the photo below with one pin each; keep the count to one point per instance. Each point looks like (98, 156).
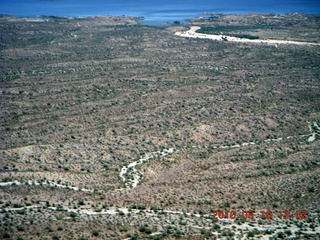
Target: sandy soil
(192, 34)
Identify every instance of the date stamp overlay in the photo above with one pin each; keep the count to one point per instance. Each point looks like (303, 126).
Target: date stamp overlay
(264, 214)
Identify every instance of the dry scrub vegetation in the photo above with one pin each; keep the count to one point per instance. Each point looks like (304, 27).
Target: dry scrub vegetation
(81, 98)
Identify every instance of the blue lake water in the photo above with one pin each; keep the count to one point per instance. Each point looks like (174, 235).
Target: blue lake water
(154, 11)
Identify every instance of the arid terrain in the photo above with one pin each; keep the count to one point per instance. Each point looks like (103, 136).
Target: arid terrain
(111, 129)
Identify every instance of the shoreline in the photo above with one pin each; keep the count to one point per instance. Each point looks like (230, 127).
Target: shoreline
(145, 20)
(3, 15)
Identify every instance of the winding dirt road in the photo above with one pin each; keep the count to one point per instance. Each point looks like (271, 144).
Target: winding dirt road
(191, 33)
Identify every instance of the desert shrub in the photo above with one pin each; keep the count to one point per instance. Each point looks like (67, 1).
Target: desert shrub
(310, 189)
(281, 235)
(73, 214)
(20, 228)
(288, 232)
(6, 235)
(253, 233)
(216, 227)
(95, 233)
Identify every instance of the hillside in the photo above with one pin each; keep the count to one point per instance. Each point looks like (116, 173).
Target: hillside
(115, 130)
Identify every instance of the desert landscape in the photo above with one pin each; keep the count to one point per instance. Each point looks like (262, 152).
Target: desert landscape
(111, 129)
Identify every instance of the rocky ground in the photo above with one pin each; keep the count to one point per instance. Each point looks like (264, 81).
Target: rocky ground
(115, 130)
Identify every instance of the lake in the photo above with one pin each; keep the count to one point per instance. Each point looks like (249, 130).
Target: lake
(155, 12)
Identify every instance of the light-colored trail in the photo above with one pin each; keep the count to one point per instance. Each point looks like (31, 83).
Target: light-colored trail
(230, 224)
(137, 177)
(45, 183)
(131, 177)
(191, 33)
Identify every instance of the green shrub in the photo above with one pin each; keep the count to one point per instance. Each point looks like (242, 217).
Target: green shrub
(6, 235)
(20, 228)
(73, 214)
(95, 233)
